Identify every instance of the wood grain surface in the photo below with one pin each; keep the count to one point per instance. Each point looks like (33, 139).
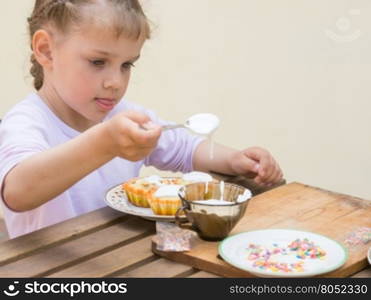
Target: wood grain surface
(291, 206)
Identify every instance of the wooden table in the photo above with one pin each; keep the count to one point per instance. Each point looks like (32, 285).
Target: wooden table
(103, 243)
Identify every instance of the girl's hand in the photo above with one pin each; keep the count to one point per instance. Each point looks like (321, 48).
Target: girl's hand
(256, 163)
(131, 135)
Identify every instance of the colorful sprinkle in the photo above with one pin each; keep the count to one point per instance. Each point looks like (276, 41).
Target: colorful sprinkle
(361, 235)
(302, 249)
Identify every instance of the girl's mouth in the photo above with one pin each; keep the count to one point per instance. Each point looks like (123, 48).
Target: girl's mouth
(105, 103)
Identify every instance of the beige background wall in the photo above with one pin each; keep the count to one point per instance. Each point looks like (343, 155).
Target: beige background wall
(293, 76)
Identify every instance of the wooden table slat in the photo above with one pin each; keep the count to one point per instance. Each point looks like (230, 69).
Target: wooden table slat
(71, 229)
(75, 251)
(203, 274)
(159, 268)
(111, 262)
(366, 273)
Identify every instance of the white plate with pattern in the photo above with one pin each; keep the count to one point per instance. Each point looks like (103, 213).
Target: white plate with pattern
(116, 198)
(274, 253)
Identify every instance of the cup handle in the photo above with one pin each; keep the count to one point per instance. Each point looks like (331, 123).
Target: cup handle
(179, 222)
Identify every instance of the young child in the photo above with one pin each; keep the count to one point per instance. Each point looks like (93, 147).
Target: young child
(65, 145)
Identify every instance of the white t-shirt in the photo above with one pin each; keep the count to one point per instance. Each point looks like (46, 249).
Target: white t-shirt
(31, 127)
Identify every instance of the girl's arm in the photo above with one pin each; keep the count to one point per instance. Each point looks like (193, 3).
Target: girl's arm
(252, 162)
(45, 175)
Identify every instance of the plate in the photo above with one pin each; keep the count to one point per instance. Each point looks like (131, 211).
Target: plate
(272, 253)
(116, 198)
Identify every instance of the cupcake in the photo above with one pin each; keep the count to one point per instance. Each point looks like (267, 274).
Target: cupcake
(165, 200)
(139, 189)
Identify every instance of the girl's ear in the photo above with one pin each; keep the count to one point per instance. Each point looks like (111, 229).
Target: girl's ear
(42, 48)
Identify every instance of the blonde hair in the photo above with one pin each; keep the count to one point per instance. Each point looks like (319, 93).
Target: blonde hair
(126, 17)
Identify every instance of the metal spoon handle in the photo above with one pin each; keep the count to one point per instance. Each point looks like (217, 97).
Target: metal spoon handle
(173, 126)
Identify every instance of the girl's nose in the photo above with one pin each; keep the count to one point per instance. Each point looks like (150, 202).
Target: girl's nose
(114, 81)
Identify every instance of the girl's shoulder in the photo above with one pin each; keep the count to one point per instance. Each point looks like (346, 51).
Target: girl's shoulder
(32, 107)
(30, 116)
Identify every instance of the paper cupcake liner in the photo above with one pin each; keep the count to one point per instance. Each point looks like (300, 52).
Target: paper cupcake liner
(135, 196)
(137, 200)
(167, 207)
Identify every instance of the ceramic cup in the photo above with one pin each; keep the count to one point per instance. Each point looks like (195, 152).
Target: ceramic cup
(211, 218)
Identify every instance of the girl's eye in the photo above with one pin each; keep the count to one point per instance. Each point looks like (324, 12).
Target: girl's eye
(97, 62)
(128, 65)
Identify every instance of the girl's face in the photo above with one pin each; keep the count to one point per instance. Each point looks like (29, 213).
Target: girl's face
(89, 75)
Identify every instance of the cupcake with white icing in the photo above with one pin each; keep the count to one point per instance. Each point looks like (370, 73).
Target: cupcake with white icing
(165, 200)
(138, 189)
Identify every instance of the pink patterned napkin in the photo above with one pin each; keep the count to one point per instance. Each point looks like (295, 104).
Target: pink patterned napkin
(170, 237)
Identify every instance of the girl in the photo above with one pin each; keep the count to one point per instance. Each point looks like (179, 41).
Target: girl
(63, 146)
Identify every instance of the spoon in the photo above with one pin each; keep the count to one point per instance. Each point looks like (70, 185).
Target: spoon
(204, 123)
